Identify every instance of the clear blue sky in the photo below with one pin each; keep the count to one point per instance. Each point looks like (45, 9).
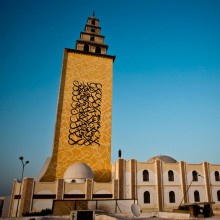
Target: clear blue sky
(166, 97)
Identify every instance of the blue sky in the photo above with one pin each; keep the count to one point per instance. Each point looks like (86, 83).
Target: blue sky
(166, 87)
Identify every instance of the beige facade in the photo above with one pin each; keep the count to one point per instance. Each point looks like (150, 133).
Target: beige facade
(84, 113)
(152, 191)
(170, 185)
(80, 166)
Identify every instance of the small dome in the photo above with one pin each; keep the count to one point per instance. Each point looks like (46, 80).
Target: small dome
(78, 172)
(164, 158)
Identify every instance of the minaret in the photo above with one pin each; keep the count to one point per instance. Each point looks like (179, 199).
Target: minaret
(90, 39)
(84, 112)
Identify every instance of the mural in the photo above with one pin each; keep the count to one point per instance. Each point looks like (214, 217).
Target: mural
(85, 113)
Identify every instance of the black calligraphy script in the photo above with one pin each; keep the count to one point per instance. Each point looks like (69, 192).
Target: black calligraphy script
(85, 113)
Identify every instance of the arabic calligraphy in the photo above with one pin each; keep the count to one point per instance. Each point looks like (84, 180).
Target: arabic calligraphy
(85, 113)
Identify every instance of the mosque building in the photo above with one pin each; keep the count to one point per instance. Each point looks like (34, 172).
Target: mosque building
(80, 174)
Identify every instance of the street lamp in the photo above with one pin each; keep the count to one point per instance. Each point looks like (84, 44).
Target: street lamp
(23, 165)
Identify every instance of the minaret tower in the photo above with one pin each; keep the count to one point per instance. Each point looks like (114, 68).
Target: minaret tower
(84, 112)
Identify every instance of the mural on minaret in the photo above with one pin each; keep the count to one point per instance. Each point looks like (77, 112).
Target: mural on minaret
(84, 112)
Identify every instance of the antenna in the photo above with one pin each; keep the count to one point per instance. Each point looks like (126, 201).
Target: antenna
(135, 209)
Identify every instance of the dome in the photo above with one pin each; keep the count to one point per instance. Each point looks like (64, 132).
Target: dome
(164, 158)
(78, 172)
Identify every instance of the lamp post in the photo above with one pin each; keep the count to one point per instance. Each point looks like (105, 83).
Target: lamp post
(23, 165)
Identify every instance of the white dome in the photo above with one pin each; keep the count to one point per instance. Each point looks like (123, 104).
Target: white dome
(164, 158)
(78, 172)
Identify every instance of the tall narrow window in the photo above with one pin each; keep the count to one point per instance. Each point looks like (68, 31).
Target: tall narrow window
(98, 50)
(172, 197)
(217, 178)
(92, 37)
(196, 196)
(93, 29)
(170, 175)
(195, 175)
(93, 22)
(218, 195)
(146, 197)
(145, 175)
(86, 47)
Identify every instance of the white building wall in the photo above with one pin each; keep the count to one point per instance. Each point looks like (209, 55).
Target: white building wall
(153, 198)
(200, 181)
(75, 191)
(128, 185)
(149, 186)
(212, 178)
(202, 193)
(214, 194)
(40, 204)
(178, 196)
(152, 178)
(177, 180)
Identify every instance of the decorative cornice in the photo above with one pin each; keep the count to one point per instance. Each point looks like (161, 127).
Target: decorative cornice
(90, 53)
(93, 17)
(92, 43)
(93, 26)
(92, 33)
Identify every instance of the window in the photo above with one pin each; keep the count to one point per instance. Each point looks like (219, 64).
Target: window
(146, 197)
(195, 175)
(170, 175)
(217, 178)
(172, 197)
(98, 50)
(92, 37)
(196, 196)
(145, 175)
(218, 195)
(93, 30)
(93, 22)
(86, 47)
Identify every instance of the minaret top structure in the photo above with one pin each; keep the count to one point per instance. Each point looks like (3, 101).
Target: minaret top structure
(90, 39)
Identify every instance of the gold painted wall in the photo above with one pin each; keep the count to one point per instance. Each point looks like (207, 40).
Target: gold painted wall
(84, 68)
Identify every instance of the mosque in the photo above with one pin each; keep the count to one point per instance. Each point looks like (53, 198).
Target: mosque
(79, 174)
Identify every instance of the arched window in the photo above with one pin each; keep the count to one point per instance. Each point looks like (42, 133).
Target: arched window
(196, 196)
(218, 195)
(145, 175)
(172, 197)
(93, 29)
(92, 37)
(93, 22)
(217, 178)
(194, 175)
(98, 50)
(146, 197)
(86, 47)
(170, 175)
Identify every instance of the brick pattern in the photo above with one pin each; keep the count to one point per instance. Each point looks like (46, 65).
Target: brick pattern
(159, 186)
(133, 182)
(207, 180)
(27, 193)
(89, 188)
(12, 199)
(60, 185)
(184, 184)
(121, 178)
(84, 68)
(115, 195)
